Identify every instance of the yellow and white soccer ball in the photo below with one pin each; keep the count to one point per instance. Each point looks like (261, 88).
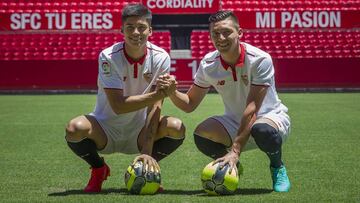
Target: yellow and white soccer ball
(142, 182)
(219, 181)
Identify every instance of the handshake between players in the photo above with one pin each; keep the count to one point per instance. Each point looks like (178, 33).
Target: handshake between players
(167, 84)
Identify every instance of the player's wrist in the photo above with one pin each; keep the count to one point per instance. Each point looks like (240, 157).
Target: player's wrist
(236, 149)
(162, 93)
(146, 150)
(171, 94)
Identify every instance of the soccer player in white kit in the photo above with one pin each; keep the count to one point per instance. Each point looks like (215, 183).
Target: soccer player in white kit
(127, 116)
(254, 116)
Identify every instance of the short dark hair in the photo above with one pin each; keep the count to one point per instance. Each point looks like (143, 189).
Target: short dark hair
(222, 15)
(137, 10)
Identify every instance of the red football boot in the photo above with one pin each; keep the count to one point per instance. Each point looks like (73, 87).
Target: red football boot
(98, 176)
(160, 190)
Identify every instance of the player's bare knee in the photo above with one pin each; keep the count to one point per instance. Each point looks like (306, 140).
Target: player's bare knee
(75, 130)
(178, 130)
(174, 128)
(182, 130)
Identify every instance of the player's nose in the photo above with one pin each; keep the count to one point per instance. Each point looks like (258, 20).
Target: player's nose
(221, 37)
(136, 31)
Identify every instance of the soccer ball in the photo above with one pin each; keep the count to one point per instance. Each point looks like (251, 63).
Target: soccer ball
(219, 181)
(140, 181)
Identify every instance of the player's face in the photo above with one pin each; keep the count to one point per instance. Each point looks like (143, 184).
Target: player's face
(225, 35)
(136, 31)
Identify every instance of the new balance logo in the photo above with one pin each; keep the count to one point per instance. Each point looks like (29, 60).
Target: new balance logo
(85, 155)
(221, 82)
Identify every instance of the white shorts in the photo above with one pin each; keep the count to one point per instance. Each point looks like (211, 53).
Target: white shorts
(282, 120)
(119, 140)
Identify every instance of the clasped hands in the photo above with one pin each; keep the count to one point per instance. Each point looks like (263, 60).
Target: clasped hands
(167, 84)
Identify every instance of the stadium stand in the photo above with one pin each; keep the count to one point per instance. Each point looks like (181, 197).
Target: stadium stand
(11, 6)
(289, 5)
(42, 59)
(65, 46)
(291, 44)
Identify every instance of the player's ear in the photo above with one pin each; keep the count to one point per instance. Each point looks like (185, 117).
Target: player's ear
(150, 31)
(240, 32)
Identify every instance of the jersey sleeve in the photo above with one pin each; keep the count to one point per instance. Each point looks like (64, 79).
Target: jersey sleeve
(165, 65)
(263, 74)
(200, 79)
(108, 77)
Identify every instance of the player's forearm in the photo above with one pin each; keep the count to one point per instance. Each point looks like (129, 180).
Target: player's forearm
(147, 146)
(182, 101)
(136, 102)
(243, 135)
(153, 119)
(151, 127)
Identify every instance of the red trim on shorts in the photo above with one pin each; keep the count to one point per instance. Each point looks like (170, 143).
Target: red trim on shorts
(111, 88)
(201, 86)
(262, 85)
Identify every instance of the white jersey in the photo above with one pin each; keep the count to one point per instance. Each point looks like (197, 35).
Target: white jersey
(118, 71)
(254, 67)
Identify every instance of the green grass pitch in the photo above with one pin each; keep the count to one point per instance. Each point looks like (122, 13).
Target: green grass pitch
(321, 154)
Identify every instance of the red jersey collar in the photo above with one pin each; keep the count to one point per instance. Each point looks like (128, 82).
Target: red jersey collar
(132, 61)
(240, 61)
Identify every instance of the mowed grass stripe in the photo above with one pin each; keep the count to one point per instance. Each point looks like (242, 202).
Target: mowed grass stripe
(322, 154)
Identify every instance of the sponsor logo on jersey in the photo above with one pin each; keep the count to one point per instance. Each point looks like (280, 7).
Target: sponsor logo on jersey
(148, 77)
(221, 82)
(106, 68)
(245, 79)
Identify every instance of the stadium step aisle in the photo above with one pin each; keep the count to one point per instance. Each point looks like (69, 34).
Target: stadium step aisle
(291, 44)
(69, 46)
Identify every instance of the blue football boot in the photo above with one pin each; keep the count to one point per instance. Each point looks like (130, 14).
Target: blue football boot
(281, 182)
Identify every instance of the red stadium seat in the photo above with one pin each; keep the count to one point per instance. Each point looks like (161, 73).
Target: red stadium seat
(282, 44)
(11, 6)
(288, 5)
(291, 44)
(65, 46)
